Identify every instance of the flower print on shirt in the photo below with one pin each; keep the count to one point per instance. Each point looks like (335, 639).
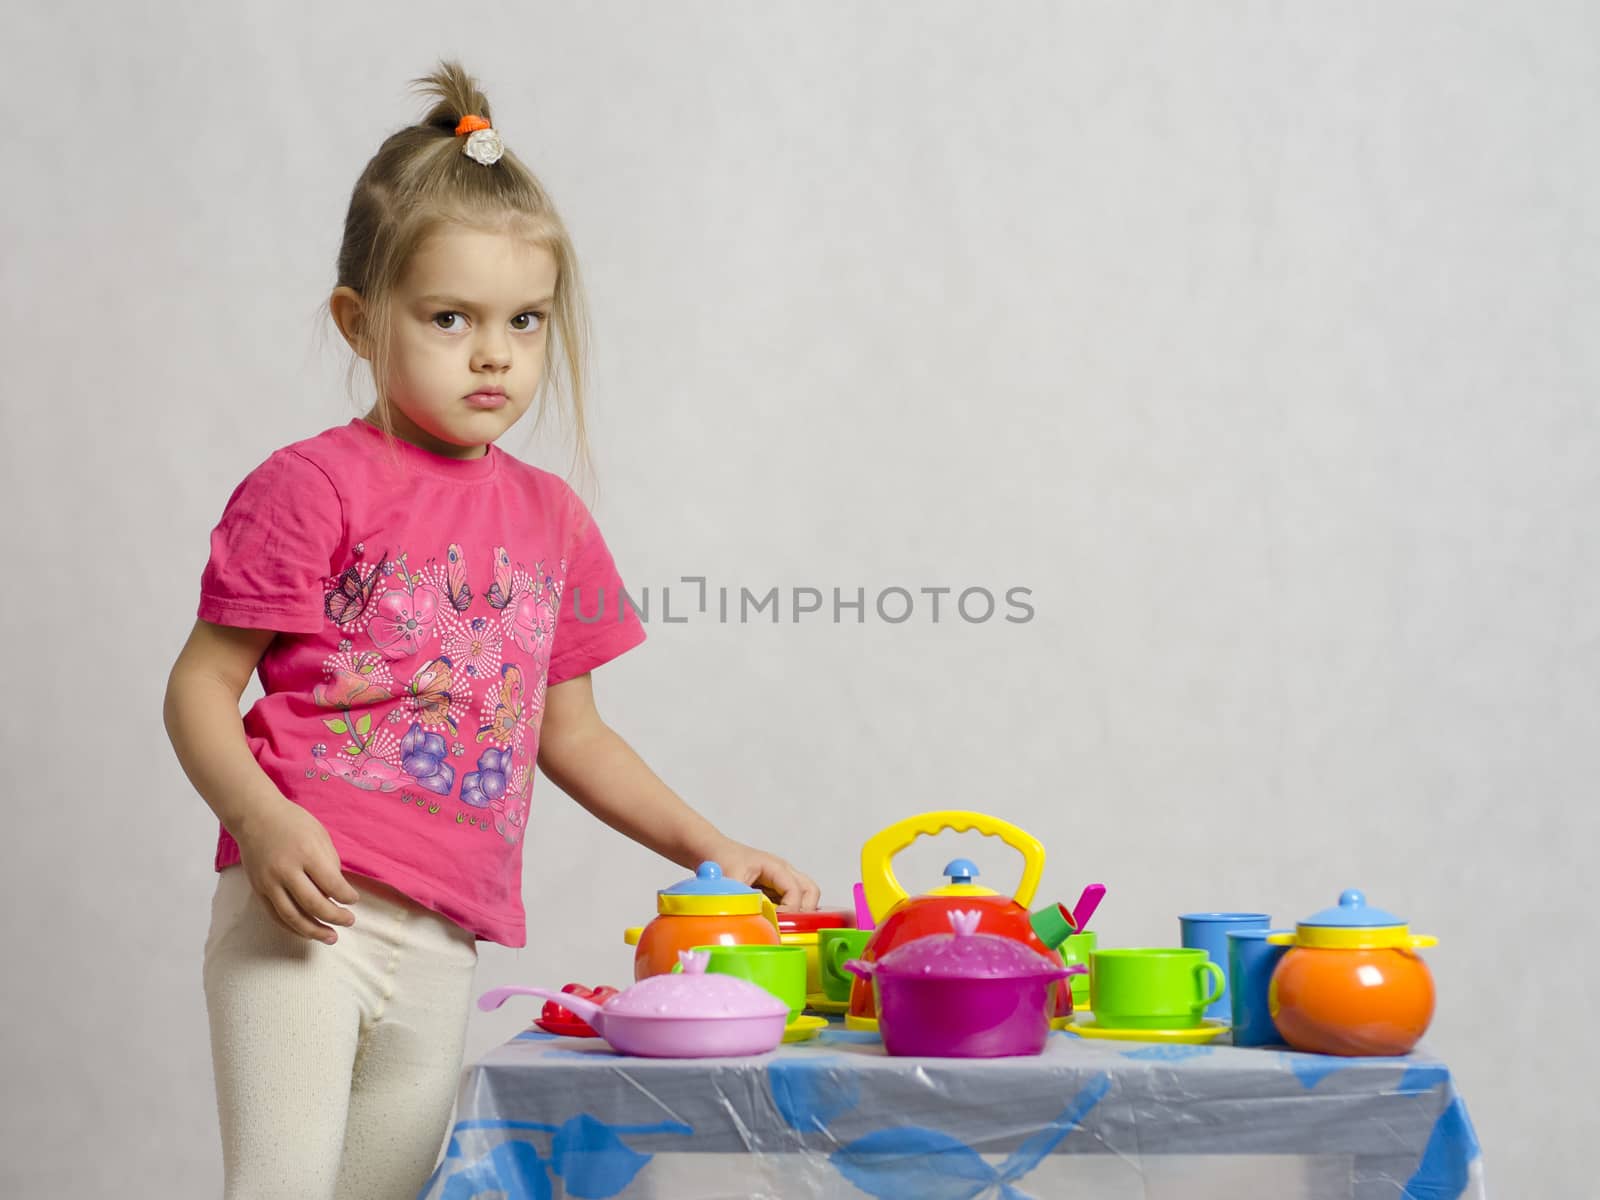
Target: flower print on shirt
(367, 760)
(502, 781)
(403, 618)
(357, 684)
(369, 774)
(424, 760)
(511, 811)
(532, 625)
(536, 705)
(528, 602)
(503, 789)
(483, 787)
(349, 688)
(474, 646)
(405, 732)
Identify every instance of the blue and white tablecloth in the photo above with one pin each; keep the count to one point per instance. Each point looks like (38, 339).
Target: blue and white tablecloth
(835, 1117)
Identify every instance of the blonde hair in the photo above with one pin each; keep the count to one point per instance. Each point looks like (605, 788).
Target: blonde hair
(419, 179)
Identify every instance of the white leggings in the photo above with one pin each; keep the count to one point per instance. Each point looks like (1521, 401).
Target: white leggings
(336, 1066)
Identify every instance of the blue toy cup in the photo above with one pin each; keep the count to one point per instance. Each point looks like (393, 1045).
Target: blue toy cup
(1251, 960)
(1209, 932)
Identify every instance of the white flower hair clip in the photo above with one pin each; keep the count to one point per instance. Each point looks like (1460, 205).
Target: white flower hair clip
(483, 143)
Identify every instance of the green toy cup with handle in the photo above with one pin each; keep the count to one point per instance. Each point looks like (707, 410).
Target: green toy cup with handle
(835, 947)
(1152, 988)
(1077, 949)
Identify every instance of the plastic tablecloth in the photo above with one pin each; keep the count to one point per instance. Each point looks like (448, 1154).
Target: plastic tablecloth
(544, 1116)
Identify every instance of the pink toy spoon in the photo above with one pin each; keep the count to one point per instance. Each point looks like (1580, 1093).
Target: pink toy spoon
(863, 912)
(1087, 903)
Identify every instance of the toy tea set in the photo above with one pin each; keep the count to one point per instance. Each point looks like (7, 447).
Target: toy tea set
(963, 971)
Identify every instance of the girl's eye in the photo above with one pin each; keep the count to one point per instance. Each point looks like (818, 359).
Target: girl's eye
(527, 322)
(448, 321)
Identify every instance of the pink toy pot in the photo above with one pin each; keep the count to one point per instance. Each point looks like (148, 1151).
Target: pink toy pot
(689, 1015)
(963, 994)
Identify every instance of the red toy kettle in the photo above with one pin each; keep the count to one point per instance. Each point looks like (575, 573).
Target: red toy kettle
(902, 918)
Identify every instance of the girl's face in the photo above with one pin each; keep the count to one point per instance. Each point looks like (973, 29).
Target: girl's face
(469, 338)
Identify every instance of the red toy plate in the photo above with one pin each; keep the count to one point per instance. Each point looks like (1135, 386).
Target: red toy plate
(563, 1023)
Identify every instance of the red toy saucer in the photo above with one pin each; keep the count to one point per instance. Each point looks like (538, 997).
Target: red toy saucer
(564, 1023)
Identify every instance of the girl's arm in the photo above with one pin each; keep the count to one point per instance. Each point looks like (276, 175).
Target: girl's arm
(589, 761)
(286, 852)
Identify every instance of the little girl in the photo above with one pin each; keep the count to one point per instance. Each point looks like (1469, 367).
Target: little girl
(424, 612)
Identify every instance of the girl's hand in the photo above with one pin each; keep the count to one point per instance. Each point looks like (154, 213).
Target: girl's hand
(771, 874)
(294, 868)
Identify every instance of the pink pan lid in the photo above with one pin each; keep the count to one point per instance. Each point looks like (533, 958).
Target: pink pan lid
(695, 993)
(965, 953)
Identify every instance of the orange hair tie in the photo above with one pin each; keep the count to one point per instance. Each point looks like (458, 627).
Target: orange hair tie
(470, 123)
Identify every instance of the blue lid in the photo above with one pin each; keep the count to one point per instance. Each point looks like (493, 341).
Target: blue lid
(708, 881)
(1353, 912)
(961, 870)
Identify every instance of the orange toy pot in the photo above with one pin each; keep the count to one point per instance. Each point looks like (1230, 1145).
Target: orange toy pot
(707, 910)
(1353, 983)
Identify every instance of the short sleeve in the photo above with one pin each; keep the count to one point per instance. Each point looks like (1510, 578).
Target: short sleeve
(595, 622)
(273, 549)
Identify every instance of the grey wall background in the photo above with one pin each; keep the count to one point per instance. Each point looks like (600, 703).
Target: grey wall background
(1256, 339)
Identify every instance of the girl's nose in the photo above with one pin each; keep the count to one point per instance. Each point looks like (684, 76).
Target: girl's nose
(491, 354)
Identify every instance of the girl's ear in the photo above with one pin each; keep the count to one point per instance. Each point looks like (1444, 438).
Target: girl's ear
(350, 315)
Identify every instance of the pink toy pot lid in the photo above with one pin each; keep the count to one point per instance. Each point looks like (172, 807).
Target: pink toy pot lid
(964, 953)
(695, 993)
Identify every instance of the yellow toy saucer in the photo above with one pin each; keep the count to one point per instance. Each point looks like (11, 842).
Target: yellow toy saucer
(803, 1029)
(1207, 1031)
(819, 1002)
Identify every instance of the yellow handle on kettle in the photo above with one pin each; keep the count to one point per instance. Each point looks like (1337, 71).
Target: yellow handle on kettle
(883, 890)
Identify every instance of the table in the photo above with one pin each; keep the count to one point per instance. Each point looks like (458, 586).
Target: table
(551, 1117)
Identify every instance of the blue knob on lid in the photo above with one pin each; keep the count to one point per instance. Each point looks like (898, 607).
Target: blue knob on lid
(708, 881)
(961, 870)
(1353, 911)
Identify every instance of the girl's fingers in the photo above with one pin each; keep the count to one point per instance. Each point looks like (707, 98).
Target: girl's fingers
(316, 908)
(328, 881)
(277, 917)
(781, 877)
(296, 922)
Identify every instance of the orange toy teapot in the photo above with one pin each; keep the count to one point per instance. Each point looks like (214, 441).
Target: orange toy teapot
(706, 910)
(902, 918)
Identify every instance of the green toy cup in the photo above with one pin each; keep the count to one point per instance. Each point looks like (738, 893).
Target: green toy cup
(1077, 949)
(835, 947)
(1152, 988)
(781, 970)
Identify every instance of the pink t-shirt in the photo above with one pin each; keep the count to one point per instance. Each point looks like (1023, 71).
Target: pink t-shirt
(423, 605)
